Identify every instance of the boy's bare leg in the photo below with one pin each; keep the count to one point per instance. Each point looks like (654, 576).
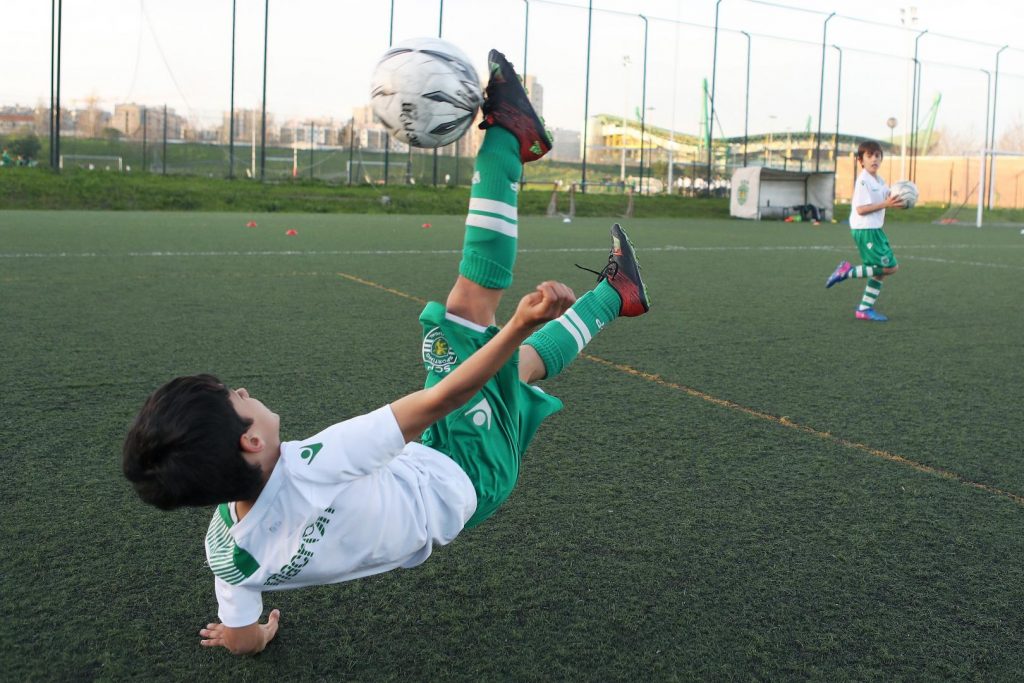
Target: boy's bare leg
(531, 367)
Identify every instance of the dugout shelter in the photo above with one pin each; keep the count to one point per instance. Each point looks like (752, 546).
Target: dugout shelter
(760, 193)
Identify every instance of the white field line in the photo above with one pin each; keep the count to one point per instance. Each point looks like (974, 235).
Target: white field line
(901, 250)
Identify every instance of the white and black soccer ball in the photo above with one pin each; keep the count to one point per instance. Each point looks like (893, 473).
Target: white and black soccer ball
(905, 191)
(426, 92)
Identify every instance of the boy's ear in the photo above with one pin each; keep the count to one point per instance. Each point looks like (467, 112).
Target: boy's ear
(250, 442)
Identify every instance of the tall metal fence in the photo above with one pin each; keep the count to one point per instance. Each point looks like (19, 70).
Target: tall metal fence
(664, 96)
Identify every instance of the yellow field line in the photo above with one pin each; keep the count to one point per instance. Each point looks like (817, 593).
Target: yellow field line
(375, 285)
(730, 405)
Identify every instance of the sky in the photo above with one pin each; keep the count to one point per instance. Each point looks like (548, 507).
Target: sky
(321, 55)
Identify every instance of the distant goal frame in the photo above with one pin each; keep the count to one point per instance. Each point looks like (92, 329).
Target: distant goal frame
(986, 179)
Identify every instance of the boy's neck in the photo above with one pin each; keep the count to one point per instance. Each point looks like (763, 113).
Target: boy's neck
(267, 463)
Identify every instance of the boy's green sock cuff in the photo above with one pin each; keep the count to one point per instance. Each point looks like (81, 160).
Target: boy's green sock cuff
(608, 299)
(549, 351)
(484, 271)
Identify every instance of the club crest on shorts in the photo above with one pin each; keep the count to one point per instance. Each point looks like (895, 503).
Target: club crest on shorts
(437, 352)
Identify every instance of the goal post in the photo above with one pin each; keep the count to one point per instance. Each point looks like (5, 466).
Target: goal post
(988, 178)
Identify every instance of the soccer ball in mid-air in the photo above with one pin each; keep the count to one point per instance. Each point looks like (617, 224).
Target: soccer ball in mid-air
(426, 92)
(905, 191)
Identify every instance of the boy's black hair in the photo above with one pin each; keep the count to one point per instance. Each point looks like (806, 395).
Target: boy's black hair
(868, 146)
(183, 447)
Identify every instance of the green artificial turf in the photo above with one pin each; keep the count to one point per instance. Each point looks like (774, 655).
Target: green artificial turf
(746, 483)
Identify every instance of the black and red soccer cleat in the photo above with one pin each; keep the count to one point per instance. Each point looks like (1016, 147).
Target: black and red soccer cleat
(623, 274)
(508, 106)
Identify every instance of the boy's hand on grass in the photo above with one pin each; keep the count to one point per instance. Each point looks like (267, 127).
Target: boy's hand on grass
(550, 300)
(245, 640)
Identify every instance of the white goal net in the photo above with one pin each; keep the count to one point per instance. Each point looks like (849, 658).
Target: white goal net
(92, 162)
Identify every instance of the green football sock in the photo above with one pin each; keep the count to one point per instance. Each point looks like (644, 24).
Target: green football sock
(864, 271)
(871, 293)
(492, 224)
(561, 340)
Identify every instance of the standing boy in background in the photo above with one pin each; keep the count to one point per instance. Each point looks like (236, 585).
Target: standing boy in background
(870, 200)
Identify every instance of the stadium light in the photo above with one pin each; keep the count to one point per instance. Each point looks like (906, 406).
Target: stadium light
(992, 134)
(821, 91)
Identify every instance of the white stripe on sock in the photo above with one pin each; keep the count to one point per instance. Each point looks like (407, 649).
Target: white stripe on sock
(872, 290)
(576, 320)
(571, 329)
(491, 223)
(492, 206)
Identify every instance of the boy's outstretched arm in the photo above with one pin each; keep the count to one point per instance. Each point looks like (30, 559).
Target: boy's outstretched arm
(419, 410)
(244, 640)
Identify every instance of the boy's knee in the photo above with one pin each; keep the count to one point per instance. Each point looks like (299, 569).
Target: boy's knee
(889, 271)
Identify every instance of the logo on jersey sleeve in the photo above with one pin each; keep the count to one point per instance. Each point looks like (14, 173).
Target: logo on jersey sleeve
(437, 352)
(309, 452)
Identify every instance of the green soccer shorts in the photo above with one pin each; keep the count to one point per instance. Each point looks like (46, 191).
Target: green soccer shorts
(874, 248)
(488, 436)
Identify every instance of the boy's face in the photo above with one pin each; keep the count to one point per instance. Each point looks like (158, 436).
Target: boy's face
(264, 421)
(871, 161)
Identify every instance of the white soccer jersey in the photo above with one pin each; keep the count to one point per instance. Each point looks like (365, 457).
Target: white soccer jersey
(351, 501)
(870, 189)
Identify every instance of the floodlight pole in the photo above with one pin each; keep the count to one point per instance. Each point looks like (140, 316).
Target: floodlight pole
(263, 119)
(839, 91)
(586, 97)
(163, 153)
(746, 102)
(992, 135)
(526, 36)
(387, 137)
(981, 169)
(55, 38)
(915, 106)
(835, 143)
(53, 54)
(231, 123)
(643, 108)
(821, 92)
(526, 42)
(145, 129)
(711, 116)
(440, 25)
